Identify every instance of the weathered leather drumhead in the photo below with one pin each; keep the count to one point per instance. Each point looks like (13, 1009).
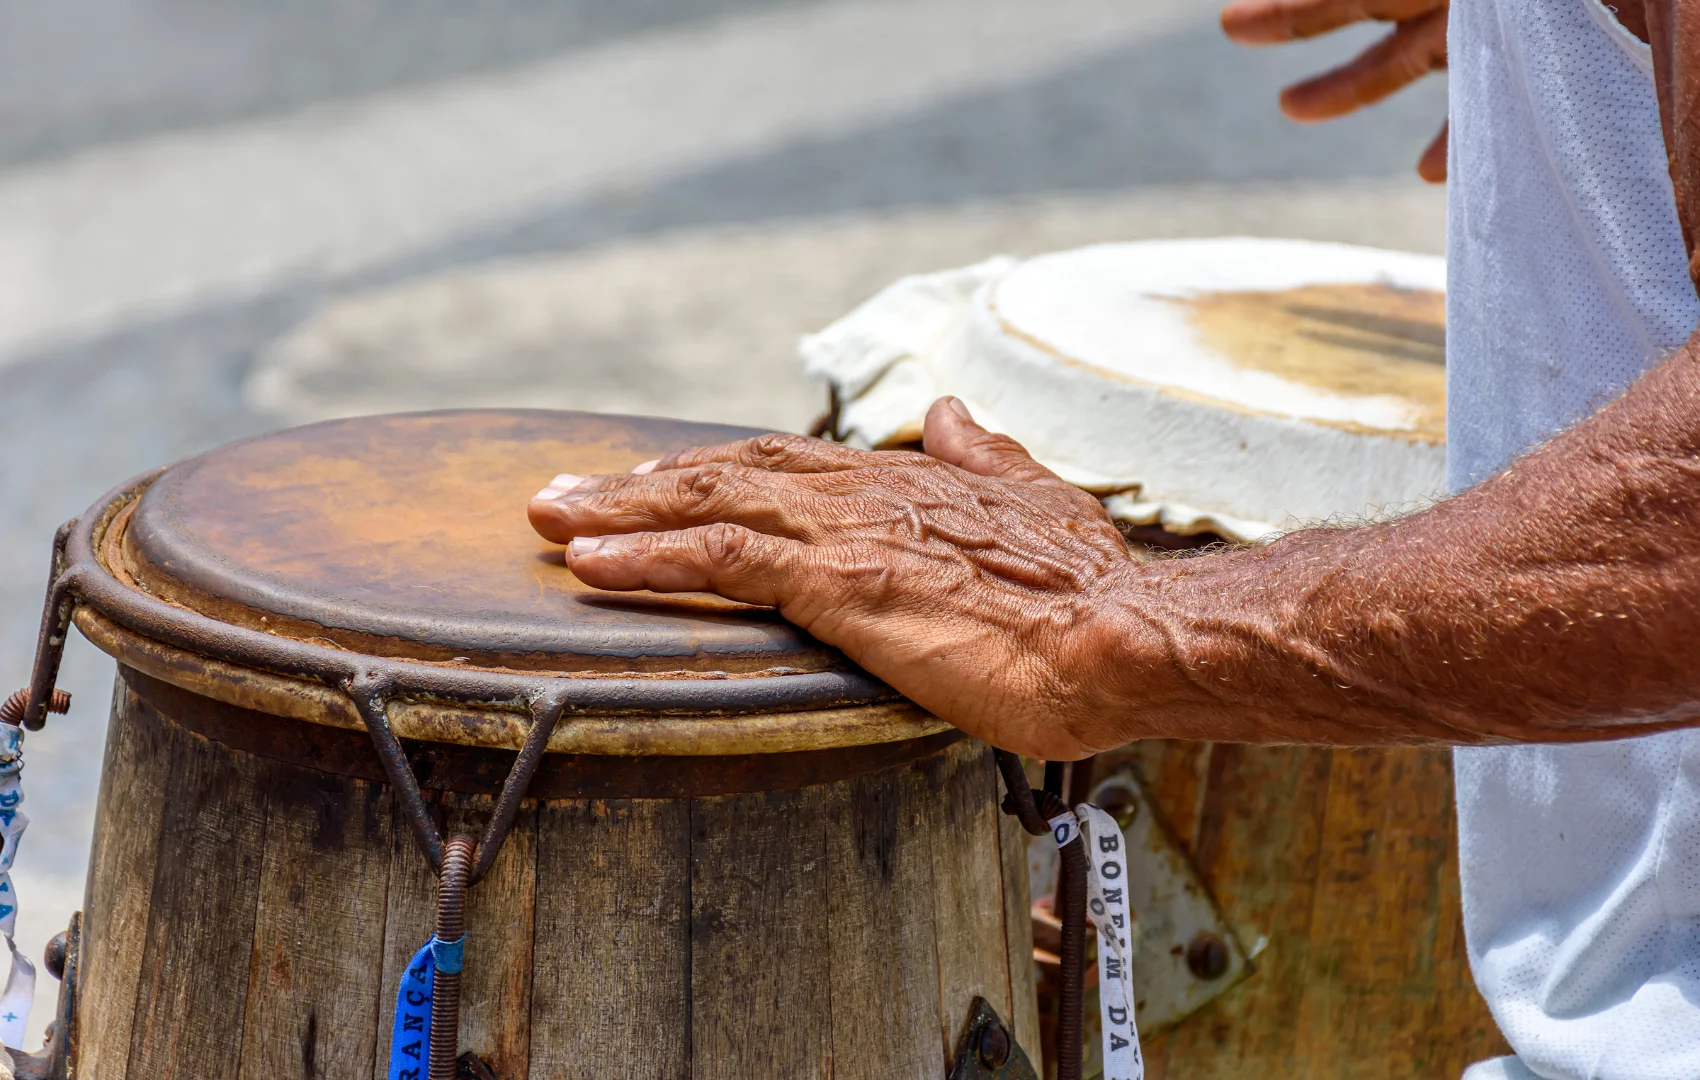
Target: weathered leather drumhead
(406, 536)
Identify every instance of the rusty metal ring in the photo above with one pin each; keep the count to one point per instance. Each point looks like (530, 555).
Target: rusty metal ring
(85, 580)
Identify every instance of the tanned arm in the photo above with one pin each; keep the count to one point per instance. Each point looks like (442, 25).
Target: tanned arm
(1557, 601)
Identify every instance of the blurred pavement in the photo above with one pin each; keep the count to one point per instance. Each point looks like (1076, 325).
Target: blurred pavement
(219, 217)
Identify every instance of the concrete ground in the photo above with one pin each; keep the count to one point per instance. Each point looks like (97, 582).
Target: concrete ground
(219, 218)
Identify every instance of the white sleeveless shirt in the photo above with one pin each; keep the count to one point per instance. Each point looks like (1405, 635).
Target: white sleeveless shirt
(1567, 278)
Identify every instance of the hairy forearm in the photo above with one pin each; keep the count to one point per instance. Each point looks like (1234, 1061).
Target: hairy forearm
(1558, 601)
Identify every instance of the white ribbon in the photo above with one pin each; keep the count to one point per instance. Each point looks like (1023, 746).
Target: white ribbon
(1106, 906)
(19, 993)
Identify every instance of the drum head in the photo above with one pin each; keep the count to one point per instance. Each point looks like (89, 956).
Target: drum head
(1232, 387)
(406, 536)
(1328, 334)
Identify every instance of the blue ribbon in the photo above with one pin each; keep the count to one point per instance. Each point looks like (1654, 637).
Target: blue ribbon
(410, 1038)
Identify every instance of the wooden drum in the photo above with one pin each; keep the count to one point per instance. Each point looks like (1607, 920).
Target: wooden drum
(740, 857)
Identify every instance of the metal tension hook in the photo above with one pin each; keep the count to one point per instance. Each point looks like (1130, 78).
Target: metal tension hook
(29, 707)
(1035, 810)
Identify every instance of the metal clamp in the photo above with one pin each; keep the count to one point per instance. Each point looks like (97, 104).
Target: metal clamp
(58, 1060)
(1186, 950)
(31, 705)
(371, 693)
(987, 1049)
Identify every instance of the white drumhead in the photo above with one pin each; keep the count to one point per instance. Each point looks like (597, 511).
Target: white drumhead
(1239, 386)
(1324, 332)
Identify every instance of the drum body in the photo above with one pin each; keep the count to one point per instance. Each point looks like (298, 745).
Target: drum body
(714, 875)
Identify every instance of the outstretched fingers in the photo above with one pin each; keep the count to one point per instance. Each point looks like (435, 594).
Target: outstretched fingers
(777, 504)
(729, 560)
(1415, 48)
(1432, 165)
(1272, 22)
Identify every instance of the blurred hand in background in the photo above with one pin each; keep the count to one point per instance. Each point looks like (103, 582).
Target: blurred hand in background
(1415, 47)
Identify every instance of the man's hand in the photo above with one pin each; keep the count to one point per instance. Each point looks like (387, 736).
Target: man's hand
(1557, 601)
(1415, 47)
(972, 580)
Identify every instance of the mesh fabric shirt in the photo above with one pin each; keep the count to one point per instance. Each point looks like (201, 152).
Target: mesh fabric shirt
(1566, 279)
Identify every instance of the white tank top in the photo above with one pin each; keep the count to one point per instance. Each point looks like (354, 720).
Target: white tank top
(1566, 279)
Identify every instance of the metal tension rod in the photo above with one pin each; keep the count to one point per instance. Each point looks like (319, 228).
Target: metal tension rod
(460, 862)
(1034, 810)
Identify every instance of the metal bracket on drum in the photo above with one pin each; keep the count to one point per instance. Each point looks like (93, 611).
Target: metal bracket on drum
(58, 1061)
(460, 862)
(371, 693)
(28, 708)
(472, 1067)
(987, 1049)
(1035, 809)
(31, 705)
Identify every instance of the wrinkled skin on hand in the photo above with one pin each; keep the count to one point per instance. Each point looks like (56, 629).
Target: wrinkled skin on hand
(969, 578)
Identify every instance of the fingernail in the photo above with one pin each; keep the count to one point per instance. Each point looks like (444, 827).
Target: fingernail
(583, 545)
(960, 409)
(559, 486)
(646, 467)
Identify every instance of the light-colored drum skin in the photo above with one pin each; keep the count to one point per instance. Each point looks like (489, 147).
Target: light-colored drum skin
(1233, 386)
(789, 883)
